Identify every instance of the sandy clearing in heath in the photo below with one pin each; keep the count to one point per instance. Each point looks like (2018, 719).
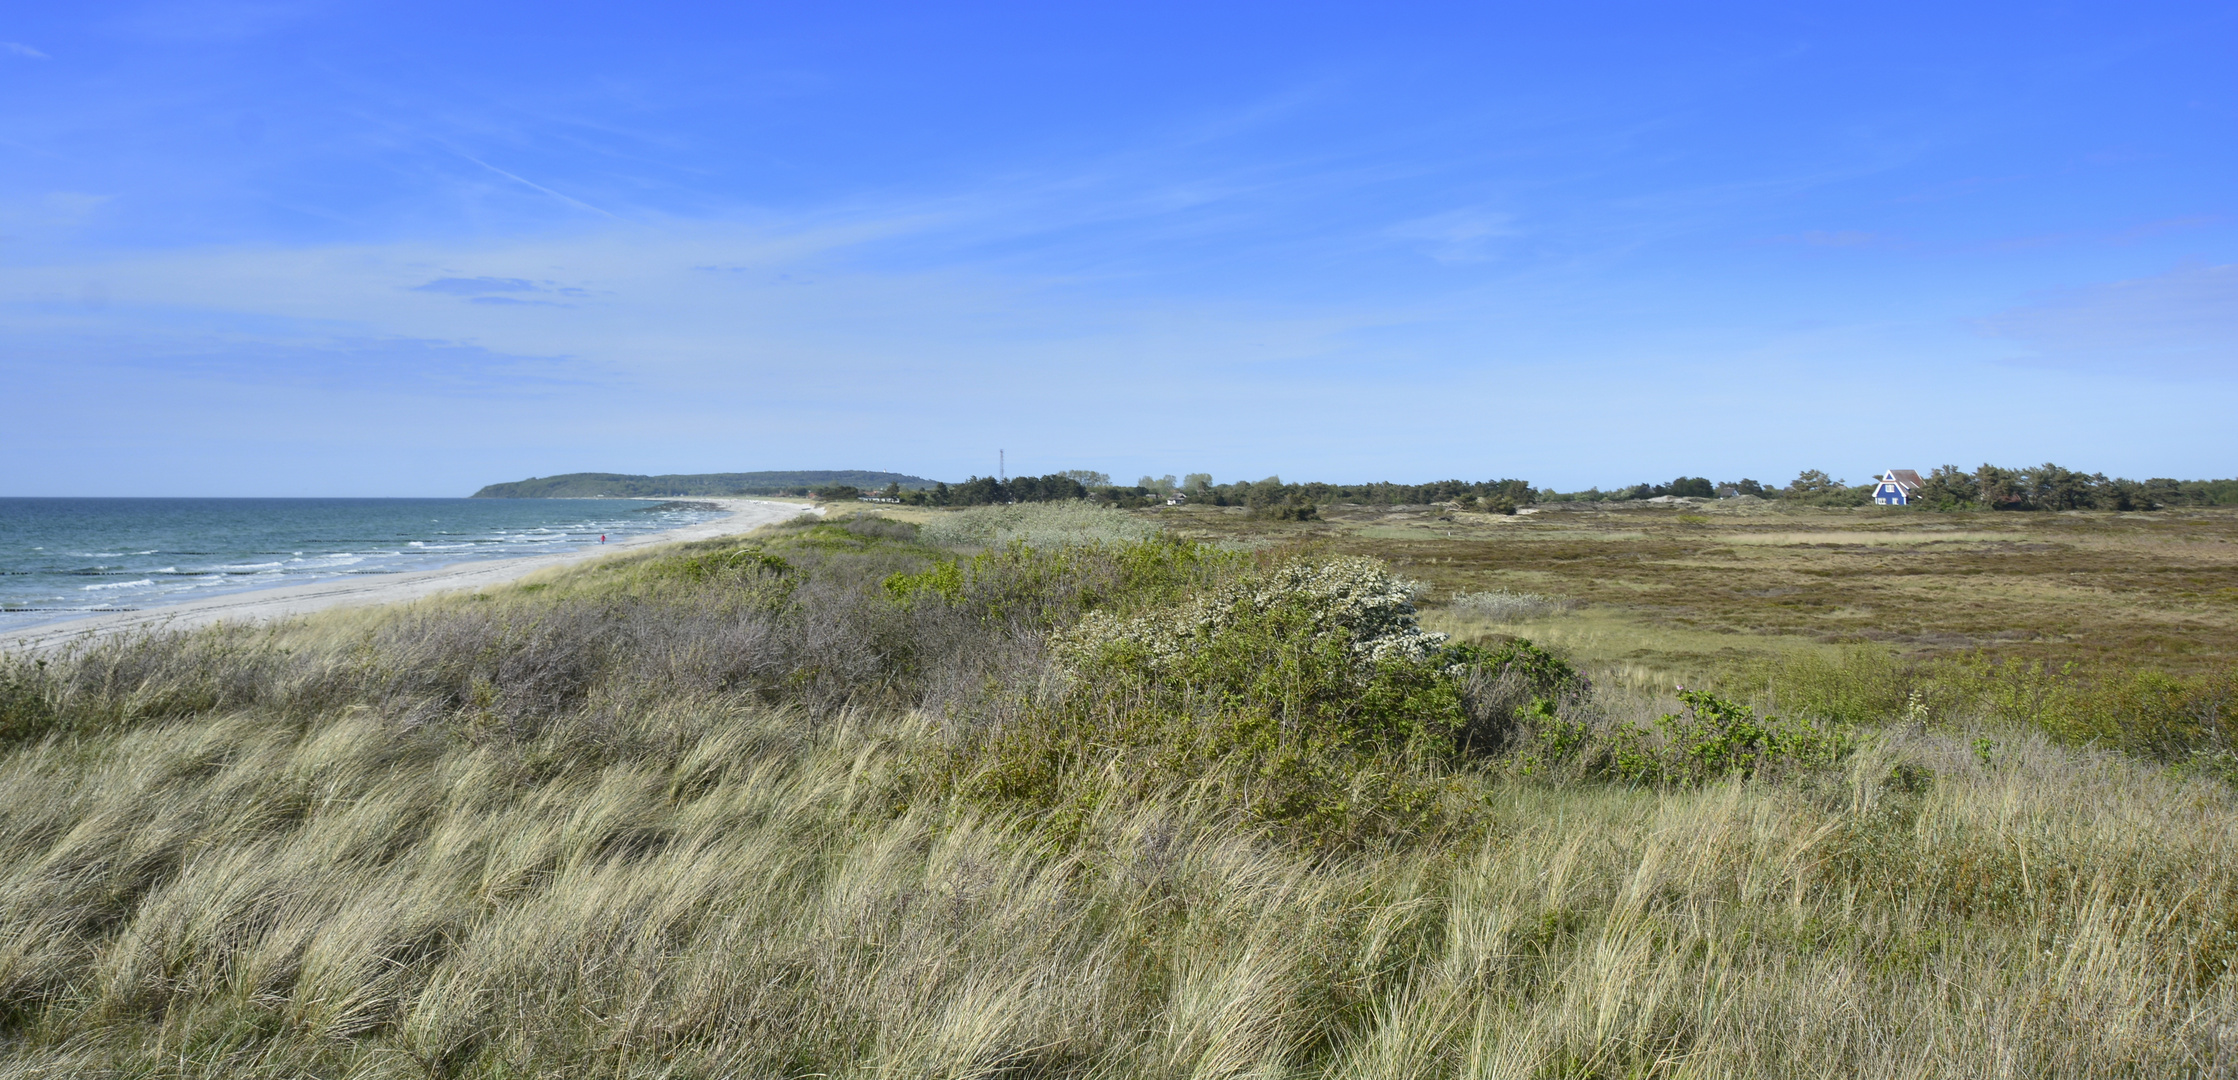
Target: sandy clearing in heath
(265, 605)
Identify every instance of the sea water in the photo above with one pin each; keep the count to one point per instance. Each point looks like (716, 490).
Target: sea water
(68, 558)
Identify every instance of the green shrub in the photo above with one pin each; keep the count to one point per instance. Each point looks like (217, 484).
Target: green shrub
(1544, 674)
(26, 700)
(1303, 691)
(1861, 685)
(2147, 713)
(735, 564)
(1505, 688)
(1020, 585)
(944, 580)
(1288, 511)
(1711, 738)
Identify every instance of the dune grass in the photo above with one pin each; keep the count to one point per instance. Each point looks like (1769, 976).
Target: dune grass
(731, 809)
(1040, 524)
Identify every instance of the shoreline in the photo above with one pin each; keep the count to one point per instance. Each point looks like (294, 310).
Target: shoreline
(289, 601)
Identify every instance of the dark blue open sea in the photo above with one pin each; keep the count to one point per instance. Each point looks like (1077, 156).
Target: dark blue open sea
(66, 558)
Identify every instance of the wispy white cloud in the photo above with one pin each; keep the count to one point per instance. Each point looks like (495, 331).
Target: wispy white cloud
(1033, 301)
(1839, 238)
(2165, 226)
(757, 364)
(213, 20)
(475, 286)
(797, 322)
(1457, 236)
(20, 49)
(524, 182)
(50, 214)
(2182, 324)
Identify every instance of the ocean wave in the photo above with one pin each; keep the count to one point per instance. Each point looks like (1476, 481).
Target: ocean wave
(287, 550)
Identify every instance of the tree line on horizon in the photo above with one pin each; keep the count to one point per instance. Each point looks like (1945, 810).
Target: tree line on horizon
(1949, 487)
(1993, 487)
(1272, 495)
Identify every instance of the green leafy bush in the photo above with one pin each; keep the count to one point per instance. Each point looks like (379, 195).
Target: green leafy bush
(1303, 690)
(1857, 685)
(734, 564)
(1508, 687)
(26, 699)
(2147, 713)
(1042, 586)
(944, 580)
(1710, 738)
(1289, 511)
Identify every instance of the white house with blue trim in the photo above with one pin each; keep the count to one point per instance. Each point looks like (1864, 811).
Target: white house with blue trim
(1896, 487)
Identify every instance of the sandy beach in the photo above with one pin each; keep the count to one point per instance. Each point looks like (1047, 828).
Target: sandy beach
(264, 605)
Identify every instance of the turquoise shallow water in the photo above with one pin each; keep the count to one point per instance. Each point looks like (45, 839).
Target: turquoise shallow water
(66, 558)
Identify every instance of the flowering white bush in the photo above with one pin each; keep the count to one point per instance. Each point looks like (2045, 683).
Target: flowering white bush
(1357, 596)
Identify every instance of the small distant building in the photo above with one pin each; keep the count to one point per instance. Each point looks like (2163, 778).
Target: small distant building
(1896, 487)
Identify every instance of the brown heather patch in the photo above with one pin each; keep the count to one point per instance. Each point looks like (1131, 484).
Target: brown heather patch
(1709, 583)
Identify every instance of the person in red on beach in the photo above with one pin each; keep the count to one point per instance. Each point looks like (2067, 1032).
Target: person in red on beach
(602, 538)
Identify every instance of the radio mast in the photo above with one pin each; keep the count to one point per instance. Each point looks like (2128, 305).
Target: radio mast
(1002, 467)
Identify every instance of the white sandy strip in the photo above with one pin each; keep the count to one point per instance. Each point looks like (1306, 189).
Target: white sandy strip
(263, 605)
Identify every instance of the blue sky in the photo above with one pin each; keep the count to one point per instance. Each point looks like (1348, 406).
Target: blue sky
(401, 249)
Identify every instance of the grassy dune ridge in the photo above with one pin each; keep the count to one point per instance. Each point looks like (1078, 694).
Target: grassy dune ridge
(836, 802)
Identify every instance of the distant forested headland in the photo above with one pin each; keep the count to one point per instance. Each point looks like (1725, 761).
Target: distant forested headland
(622, 485)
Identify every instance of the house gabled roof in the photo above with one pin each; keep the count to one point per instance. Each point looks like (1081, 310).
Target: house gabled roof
(1906, 477)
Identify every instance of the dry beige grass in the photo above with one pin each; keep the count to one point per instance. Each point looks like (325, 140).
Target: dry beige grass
(727, 894)
(659, 881)
(1044, 524)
